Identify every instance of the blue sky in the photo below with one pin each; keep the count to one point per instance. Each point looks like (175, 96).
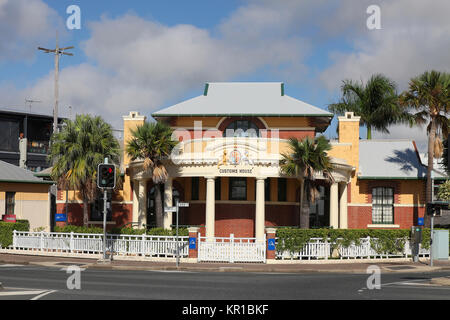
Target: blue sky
(146, 55)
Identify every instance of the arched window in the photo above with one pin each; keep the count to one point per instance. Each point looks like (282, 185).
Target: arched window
(241, 128)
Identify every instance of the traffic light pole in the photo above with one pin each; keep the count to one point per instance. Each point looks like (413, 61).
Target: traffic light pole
(105, 199)
(431, 240)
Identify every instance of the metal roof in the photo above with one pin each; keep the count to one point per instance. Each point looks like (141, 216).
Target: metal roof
(389, 159)
(12, 173)
(243, 99)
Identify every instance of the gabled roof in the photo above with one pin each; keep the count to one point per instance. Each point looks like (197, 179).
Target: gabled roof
(14, 174)
(243, 99)
(389, 159)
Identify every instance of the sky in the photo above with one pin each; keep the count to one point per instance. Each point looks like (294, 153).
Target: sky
(147, 55)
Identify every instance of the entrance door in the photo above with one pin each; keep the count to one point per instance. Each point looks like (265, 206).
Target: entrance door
(319, 211)
(151, 205)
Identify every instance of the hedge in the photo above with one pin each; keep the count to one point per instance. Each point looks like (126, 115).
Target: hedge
(7, 228)
(294, 239)
(124, 231)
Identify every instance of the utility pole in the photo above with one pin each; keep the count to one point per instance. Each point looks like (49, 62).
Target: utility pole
(57, 51)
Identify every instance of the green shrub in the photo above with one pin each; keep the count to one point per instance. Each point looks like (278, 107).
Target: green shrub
(389, 241)
(125, 231)
(78, 229)
(7, 228)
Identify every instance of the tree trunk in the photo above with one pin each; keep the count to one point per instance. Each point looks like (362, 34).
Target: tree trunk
(304, 208)
(428, 192)
(369, 132)
(158, 206)
(85, 211)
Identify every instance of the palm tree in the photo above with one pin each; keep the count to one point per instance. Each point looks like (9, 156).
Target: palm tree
(153, 142)
(428, 98)
(76, 151)
(375, 102)
(306, 157)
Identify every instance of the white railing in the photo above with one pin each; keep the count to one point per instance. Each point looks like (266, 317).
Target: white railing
(85, 243)
(318, 248)
(231, 249)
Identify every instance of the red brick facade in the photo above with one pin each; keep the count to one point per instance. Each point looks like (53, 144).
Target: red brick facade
(239, 218)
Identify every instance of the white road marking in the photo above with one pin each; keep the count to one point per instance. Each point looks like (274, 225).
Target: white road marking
(10, 265)
(21, 293)
(43, 294)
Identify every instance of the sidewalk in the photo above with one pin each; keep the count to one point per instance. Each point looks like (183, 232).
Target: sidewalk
(341, 266)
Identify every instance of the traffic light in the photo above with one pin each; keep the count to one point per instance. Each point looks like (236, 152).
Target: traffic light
(106, 176)
(435, 208)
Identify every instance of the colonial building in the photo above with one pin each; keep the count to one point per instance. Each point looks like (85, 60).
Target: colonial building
(227, 167)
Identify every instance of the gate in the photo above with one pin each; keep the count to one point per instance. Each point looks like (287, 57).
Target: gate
(223, 249)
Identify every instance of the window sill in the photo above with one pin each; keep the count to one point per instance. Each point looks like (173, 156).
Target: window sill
(393, 226)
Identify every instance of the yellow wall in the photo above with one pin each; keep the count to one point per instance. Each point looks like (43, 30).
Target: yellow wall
(25, 191)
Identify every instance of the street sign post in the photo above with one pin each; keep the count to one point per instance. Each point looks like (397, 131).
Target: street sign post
(176, 209)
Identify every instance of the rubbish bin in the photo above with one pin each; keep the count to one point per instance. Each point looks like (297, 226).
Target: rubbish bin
(440, 245)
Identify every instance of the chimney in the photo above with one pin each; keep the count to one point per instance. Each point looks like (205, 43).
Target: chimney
(130, 122)
(349, 133)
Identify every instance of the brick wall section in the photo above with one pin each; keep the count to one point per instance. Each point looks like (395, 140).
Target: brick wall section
(359, 217)
(121, 214)
(239, 219)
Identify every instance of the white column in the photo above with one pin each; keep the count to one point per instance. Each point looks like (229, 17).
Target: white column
(259, 209)
(334, 207)
(135, 201)
(168, 203)
(210, 207)
(343, 224)
(142, 215)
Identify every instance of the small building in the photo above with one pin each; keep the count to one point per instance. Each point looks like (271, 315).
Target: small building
(25, 138)
(24, 196)
(227, 167)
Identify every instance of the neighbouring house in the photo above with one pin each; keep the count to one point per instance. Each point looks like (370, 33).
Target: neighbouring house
(227, 167)
(25, 138)
(24, 196)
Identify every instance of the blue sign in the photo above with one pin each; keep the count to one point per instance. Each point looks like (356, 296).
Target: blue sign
(420, 221)
(60, 217)
(271, 244)
(192, 243)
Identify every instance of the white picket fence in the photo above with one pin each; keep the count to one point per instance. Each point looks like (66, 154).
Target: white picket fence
(231, 249)
(319, 248)
(85, 243)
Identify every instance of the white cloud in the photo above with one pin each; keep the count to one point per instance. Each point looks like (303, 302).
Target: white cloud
(24, 24)
(414, 38)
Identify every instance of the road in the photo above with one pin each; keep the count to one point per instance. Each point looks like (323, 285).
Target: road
(47, 283)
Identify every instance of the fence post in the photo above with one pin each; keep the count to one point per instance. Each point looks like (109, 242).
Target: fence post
(270, 252)
(143, 245)
(327, 248)
(193, 242)
(71, 244)
(231, 248)
(42, 241)
(14, 239)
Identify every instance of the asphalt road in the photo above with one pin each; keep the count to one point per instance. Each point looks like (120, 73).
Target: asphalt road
(46, 283)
